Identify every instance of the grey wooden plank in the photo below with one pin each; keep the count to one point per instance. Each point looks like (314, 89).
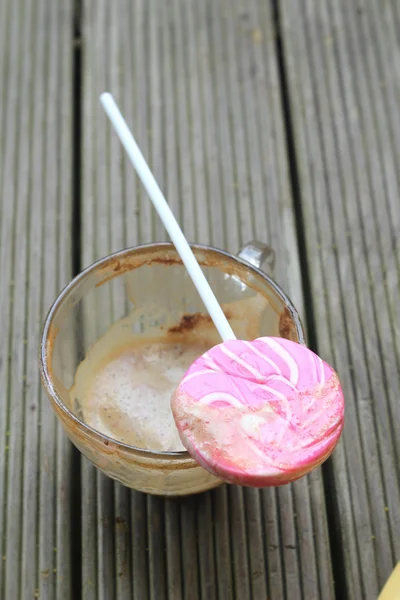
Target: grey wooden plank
(222, 537)
(17, 154)
(173, 544)
(123, 550)
(255, 541)
(105, 537)
(272, 544)
(35, 253)
(345, 114)
(189, 558)
(198, 82)
(89, 532)
(30, 501)
(156, 547)
(239, 547)
(206, 552)
(196, 87)
(139, 543)
(227, 34)
(140, 23)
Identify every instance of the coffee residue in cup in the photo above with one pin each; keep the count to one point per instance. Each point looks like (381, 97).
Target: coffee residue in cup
(128, 398)
(123, 387)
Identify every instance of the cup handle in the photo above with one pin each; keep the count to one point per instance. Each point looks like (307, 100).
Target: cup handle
(259, 255)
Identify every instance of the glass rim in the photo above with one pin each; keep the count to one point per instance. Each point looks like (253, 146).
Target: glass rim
(45, 356)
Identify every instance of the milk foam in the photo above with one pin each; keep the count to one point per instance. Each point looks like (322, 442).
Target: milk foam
(129, 396)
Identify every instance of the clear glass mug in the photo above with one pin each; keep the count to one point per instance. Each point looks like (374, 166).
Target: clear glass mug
(150, 284)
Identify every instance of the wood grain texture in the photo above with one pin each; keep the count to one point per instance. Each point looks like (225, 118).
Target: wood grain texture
(35, 255)
(198, 83)
(342, 61)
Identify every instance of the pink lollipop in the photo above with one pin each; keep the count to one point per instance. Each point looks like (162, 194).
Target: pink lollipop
(256, 413)
(259, 413)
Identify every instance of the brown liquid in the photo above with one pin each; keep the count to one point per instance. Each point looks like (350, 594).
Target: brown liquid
(123, 388)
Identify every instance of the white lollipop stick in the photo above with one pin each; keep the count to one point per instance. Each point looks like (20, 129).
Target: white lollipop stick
(167, 217)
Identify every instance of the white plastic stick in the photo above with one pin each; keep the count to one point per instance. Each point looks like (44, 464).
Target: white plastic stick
(167, 217)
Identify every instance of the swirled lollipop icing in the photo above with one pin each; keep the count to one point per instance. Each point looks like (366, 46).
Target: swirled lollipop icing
(259, 413)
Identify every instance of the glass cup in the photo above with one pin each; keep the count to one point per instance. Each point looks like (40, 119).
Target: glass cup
(147, 291)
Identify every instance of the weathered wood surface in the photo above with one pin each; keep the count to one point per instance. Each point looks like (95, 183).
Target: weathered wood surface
(343, 64)
(35, 258)
(198, 82)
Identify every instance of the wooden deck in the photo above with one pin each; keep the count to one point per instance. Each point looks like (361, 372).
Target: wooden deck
(270, 120)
